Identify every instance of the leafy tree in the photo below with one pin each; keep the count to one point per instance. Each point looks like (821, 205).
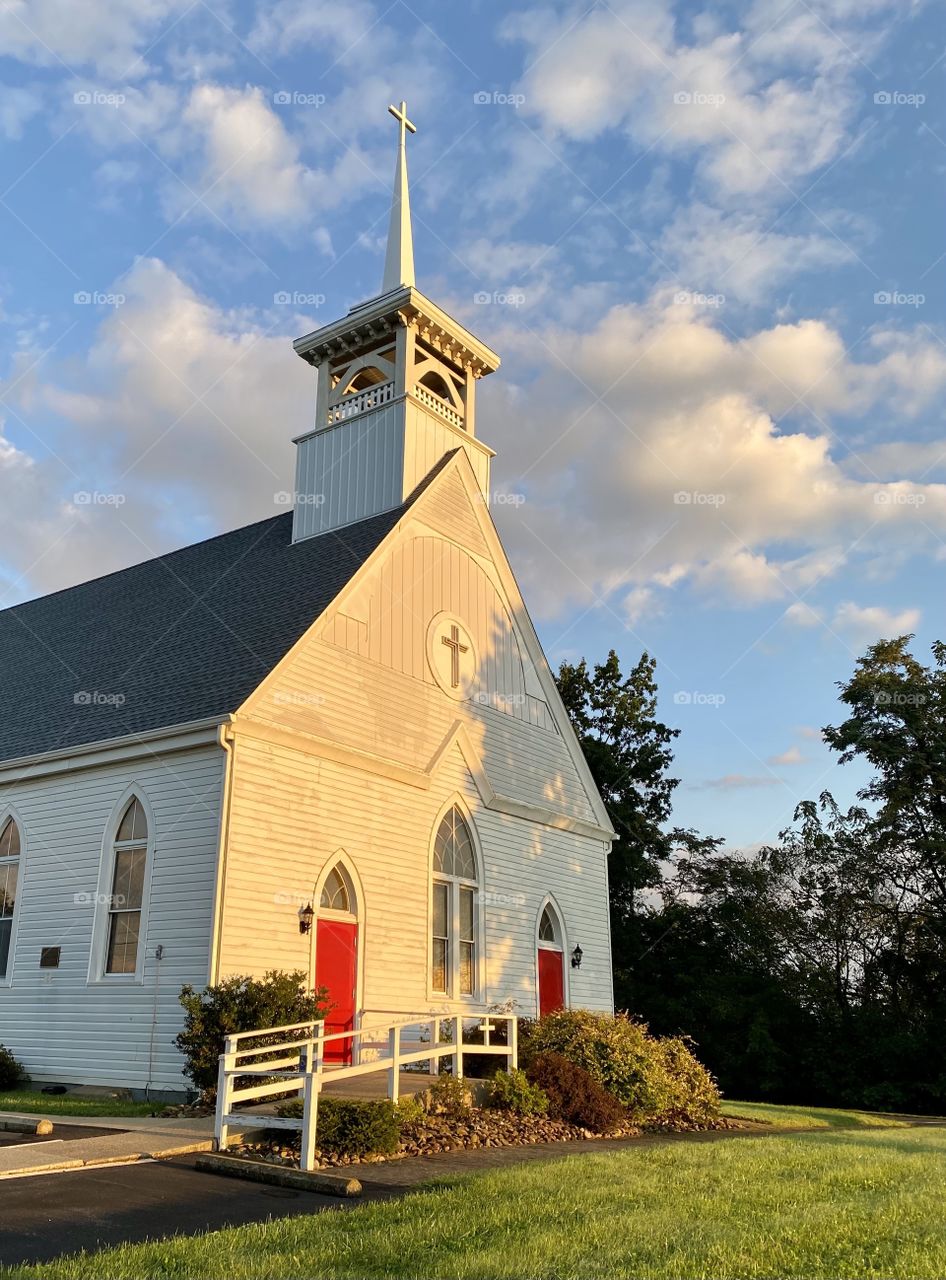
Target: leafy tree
(629, 752)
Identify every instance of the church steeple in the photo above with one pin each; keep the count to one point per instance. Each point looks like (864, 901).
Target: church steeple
(399, 259)
(396, 391)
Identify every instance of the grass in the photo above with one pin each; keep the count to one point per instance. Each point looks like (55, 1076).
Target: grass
(809, 1117)
(32, 1102)
(840, 1203)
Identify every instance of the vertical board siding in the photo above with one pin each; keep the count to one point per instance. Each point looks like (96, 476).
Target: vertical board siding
(427, 438)
(61, 1025)
(349, 471)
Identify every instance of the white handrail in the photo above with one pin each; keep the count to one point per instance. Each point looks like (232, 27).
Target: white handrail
(305, 1073)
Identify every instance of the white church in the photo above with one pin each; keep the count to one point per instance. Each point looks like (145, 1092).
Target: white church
(338, 746)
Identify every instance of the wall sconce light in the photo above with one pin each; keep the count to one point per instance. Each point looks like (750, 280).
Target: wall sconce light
(306, 916)
(576, 957)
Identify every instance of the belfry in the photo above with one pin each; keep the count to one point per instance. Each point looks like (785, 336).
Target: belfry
(395, 390)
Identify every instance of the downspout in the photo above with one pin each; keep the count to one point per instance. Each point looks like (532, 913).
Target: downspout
(227, 742)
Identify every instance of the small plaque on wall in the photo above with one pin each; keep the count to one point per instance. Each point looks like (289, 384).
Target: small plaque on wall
(49, 957)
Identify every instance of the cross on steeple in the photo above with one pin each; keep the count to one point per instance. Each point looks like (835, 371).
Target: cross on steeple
(400, 115)
(399, 260)
(452, 641)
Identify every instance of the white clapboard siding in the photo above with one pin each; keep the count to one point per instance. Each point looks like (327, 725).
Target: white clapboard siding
(280, 844)
(60, 1024)
(360, 679)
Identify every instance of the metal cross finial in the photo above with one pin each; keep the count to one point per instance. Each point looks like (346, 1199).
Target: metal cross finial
(400, 115)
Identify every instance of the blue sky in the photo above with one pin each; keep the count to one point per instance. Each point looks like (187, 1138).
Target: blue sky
(707, 242)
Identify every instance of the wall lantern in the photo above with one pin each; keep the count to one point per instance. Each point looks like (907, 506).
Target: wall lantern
(576, 957)
(306, 916)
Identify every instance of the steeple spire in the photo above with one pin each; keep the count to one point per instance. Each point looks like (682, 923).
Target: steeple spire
(399, 259)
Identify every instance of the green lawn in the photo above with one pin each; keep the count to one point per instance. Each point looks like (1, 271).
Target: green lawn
(34, 1103)
(842, 1203)
(809, 1117)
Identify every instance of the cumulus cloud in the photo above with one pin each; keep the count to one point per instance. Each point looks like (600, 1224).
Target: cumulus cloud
(759, 106)
(177, 424)
(656, 432)
(860, 624)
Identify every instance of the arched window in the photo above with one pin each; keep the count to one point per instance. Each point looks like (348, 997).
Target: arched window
(454, 916)
(335, 892)
(127, 890)
(549, 929)
(9, 873)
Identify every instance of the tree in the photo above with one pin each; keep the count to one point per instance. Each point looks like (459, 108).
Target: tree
(629, 752)
(898, 724)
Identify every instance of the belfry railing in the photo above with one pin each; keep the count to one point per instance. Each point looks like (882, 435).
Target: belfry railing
(289, 1062)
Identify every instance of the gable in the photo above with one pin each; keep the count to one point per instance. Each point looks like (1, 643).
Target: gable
(365, 677)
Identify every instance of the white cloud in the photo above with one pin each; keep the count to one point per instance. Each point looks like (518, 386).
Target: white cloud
(738, 255)
(108, 37)
(873, 622)
(792, 755)
(759, 107)
(184, 410)
(655, 431)
(17, 108)
(737, 782)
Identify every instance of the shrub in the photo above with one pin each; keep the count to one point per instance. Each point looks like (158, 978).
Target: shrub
(351, 1127)
(12, 1073)
(410, 1110)
(450, 1097)
(658, 1081)
(573, 1094)
(241, 1004)
(513, 1091)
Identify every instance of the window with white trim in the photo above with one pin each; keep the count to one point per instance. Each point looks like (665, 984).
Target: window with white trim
(9, 875)
(454, 914)
(127, 890)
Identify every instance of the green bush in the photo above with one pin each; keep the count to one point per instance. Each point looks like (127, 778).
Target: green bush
(573, 1094)
(450, 1097)
(513, 1091)
(241, 1004)
(351, 1127)
(658, 1081)
(12, 1073)
(410, 1110)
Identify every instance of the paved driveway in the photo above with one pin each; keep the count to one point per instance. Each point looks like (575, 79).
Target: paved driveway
(50, 1215)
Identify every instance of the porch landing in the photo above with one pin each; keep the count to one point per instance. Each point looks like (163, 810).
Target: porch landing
(374, 1084)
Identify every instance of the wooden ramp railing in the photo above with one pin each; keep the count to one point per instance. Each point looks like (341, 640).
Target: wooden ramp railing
(290, 1061)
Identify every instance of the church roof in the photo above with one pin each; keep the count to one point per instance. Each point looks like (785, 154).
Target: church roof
(187, 636)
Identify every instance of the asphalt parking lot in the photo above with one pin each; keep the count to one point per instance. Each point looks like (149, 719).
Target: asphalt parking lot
(50, 1215)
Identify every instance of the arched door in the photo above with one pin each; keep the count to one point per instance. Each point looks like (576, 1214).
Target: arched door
(551, 961)
(336, 959)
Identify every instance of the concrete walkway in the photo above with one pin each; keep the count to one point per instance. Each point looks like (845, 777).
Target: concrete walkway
(122, 1138)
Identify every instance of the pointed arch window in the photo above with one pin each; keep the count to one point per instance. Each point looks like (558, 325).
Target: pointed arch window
(549, 930)
(335, 892)
(454, 901)
(127, 890)
(9, 876)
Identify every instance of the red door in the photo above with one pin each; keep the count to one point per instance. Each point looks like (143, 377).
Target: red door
(336, 968)
(551, 981)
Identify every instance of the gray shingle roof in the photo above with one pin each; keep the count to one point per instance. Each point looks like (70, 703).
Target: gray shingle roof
(183, 637)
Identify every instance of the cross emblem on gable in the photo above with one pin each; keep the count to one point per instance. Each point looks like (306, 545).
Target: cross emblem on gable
(451, 655)
(452, 641)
